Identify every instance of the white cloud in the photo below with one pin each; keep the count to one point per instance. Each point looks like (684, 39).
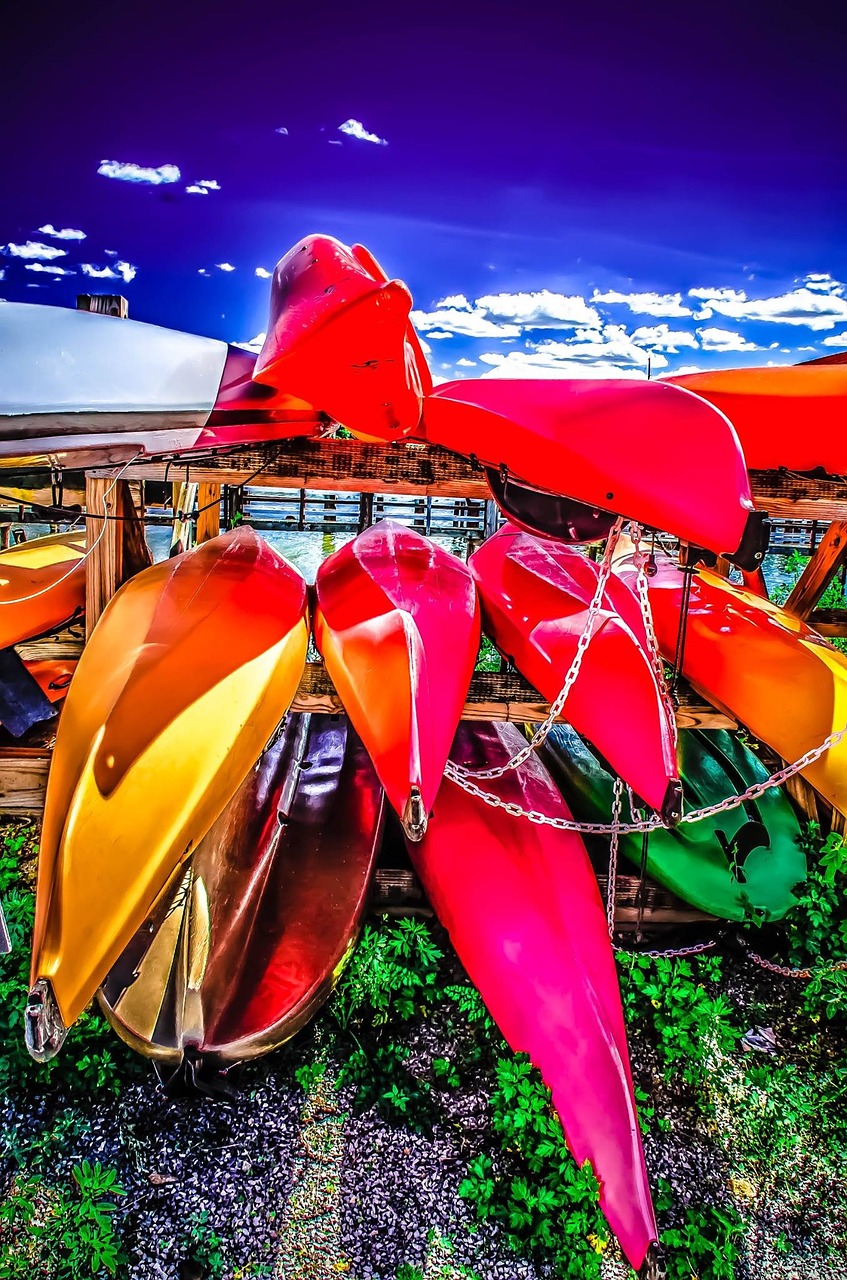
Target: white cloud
(466, 364)
(210, 183)
(800, 306)
(255, 344)
(127, 271)
(263, 273)
(355, 129)
(541, 310)
(2, 273)
(517, 364)
(224, 266)
(282, 129)
(613, 343)
(335, 142)
(456, 300)
(124, 171)
(662, 338)
(834, 340)
(53, 271)
(688, 368)
(718, 295)
(470, 324)
(725, 340)
(98, 273)
(820, 281)
(196, 190)
(201, 271)
(34, 249)
(650, 304)
(111, 253)
(425, 347)
(63, 233)
(438, 333)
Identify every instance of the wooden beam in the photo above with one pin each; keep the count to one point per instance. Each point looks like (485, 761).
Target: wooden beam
(829, 622)
(786, 496)
(827, 559)
(116, 541)
(804, 796)
(208, 512)
(23, 779)
(104, 304)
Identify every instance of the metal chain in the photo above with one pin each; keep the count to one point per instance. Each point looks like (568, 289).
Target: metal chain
(458, 773)
(786, 972)
(611, 883)
(653, 653)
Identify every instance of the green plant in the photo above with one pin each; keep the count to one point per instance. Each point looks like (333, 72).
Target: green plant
(488, 658)
(205, 1246)
(702, 1242)
(407, 1271)
(816, 930)
(62, 1233)
(391, 976)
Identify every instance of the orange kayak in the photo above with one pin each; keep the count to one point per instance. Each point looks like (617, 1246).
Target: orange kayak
(792, 416)
(397, 622)
(766, 668)
(188, 672)
(42, 585)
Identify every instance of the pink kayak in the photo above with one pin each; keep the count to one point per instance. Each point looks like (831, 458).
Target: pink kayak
(397, 622)
(535, 599)
(522, 907)
(646, 450)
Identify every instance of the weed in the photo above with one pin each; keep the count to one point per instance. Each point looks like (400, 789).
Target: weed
(62, 1233)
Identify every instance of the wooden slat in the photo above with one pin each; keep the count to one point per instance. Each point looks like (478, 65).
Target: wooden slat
(208, 512)
(23, 779)
(122, 549)
(827, 559)
(793, 497)
(68, 644)
(829, 622)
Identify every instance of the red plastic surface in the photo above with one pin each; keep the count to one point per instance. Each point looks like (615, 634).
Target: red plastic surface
(535, 597)
(523, 911)
(339, 338)
(792, 416)
(646, 450)
(397, 621)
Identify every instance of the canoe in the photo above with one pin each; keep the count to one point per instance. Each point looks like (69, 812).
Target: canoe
(763, 666)
(522, 907)
(252, 935)
(745, 860)
(83, 389)
(535, 597)
(178, 691)
(339, 337)
(397, 623)
(42, 585)
(791, 416)
(645, 450)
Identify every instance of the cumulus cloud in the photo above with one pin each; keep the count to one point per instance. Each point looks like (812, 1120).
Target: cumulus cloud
(196, 190)
(612, 343)
(127, 271)
(111, 253)
(53, 271)
(650, 304)
(470, 324)
(820, 281)
(802, 306)
(439, 333)
(120, 271)
(466, 364)
(355, 129)
(224, 266)
(725, 340)
(203, 186)
(457, 301)
(263, 273)
(125, 171)
(63, 233)
(519, 364)
(254, 344)
(34, 249)
(661, 337)
(541, 310)
(718, 295)
(201, 271)
(834, 340)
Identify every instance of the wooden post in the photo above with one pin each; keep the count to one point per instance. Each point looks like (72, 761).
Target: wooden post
(804, 796)
(208, 512)
(829, 555)
(104, 304)
(119, 546)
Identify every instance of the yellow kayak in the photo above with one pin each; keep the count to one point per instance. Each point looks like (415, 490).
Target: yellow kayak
(42, 585)
(188, 672)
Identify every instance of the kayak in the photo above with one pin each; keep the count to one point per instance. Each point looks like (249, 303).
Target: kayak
(42, 585)
(340, 338)
(791, 416)
(535, 598)
(645, 450)
(397, 623)
(763, 666)
(188, 672)
(252, 935)
(82, 389)
(521, 904)
(745, 860)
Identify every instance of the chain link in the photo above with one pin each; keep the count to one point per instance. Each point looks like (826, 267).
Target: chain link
(611, 883)
(785, 971)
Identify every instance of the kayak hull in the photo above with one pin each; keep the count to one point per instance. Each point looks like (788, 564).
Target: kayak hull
(42, 586)
(179, 689)
(535, 598)
(522, 907)
(585, 439)
(249, 940)
(397, 623)
(744, 861)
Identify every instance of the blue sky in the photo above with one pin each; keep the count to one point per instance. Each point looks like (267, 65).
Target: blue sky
(566, 189)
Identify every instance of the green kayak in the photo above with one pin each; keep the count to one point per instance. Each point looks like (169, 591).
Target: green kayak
(743, 860)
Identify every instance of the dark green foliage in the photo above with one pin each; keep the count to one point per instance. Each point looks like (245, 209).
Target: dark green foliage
(816, 932)
(205, 1247)
(488, 658)
(832, 598)
(704, 1242)
(65, 1232)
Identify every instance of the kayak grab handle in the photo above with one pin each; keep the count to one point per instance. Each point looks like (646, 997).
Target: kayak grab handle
(414, 816)
(44, 1029)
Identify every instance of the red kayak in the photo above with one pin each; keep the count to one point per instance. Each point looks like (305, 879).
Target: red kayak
(522, 907)
(645, 450)
(535, 599)
(791, 416)
(339, 337)
(252, 935)
(397, 622)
